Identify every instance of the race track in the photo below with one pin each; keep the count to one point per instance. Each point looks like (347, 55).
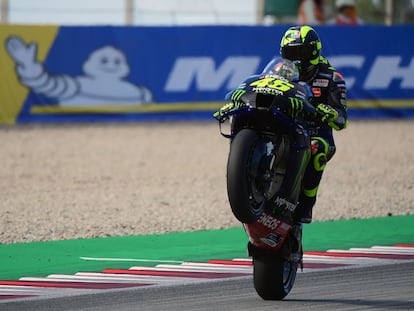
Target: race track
(382, 287)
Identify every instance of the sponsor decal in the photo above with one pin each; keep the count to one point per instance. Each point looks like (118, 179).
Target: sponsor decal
(272, 239)
(285, 203)
(269, 221)
(320, 82)
(316, 91)
(267, 90)
(337, 77)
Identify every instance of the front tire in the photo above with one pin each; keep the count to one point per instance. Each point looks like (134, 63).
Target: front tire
(246, 168)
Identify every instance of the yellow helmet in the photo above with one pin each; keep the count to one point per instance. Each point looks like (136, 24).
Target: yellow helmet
(301, 44)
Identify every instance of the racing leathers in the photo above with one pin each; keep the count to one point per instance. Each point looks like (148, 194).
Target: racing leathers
(330, 100)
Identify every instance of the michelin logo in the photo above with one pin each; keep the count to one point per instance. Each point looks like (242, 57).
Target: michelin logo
(206, 75)
(202, 72)
(103, 82)
(384, 70)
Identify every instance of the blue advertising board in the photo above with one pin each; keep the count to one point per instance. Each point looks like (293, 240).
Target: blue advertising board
(115, 73)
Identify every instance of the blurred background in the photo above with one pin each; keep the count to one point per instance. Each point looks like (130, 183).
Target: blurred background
(200, 12)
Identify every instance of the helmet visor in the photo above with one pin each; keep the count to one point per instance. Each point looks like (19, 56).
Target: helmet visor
(299, 52)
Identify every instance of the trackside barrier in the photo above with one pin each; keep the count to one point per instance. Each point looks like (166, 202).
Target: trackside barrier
(105, 73)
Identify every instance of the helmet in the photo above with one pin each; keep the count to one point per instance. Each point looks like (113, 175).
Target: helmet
(302, 44)
(282, 68)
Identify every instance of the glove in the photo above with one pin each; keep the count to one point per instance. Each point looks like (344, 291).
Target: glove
(219, 115)
(326, 114)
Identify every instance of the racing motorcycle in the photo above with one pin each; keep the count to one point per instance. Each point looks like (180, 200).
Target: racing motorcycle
(260, 131)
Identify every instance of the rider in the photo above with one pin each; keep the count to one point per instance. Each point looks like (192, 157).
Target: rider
(301, 44)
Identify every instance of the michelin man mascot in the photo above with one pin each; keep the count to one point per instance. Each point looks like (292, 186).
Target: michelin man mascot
(103, 82)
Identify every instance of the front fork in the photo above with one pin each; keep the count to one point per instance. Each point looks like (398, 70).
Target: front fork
(277, 166)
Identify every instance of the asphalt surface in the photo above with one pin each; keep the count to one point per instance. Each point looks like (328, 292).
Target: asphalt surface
(384, 287)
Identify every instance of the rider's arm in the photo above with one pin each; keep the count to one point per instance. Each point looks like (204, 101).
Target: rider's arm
(333, 112)
(337, 99)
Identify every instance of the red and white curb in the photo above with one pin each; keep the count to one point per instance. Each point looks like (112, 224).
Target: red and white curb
(191, 272)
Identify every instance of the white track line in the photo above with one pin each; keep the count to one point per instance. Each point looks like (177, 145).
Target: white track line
(129, 259)
(367, 251)
(32, 290)
(340, 260)
(103, 279)
(385, 250)
(179, 268)
(208, 268)
(247, 260)
(61, 279)
(132, 277)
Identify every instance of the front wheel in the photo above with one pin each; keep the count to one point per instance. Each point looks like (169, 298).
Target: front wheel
(247, 175)
(273, 277)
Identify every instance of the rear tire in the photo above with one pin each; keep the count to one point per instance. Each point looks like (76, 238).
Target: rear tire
(273, 277)
(245, 171)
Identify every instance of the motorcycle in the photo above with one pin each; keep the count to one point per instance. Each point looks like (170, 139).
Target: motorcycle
(260, 131)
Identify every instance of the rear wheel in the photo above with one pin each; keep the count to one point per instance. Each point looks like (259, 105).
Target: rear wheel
(273, 277)
(248, 175)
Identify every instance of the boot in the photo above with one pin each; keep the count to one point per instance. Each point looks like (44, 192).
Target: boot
(303, 212)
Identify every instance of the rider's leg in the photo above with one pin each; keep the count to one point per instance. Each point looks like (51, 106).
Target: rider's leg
(322, 152)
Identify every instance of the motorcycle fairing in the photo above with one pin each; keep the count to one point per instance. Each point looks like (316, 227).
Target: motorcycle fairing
(267, 232)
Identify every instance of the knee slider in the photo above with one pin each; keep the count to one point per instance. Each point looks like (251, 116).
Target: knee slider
(319, 162)
(321, 150)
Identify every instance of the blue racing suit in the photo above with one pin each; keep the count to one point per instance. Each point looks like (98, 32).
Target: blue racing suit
(328, 88)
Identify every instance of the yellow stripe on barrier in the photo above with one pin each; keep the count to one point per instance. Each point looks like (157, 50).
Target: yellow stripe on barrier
(197, 106)
(381, 103)
(127, 108)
